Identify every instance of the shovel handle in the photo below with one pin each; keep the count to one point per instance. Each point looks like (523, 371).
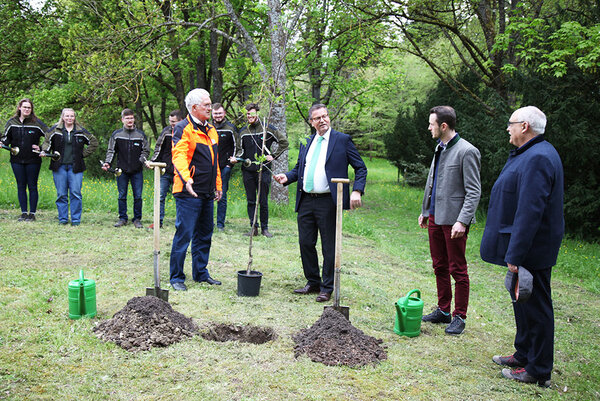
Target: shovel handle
(157, 166)
(338, 238)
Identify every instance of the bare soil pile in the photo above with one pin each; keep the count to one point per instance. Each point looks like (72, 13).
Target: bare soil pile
(146, 322)
(333, 340)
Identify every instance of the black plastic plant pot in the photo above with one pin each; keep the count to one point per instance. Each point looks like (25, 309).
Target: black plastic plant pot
(248, 284)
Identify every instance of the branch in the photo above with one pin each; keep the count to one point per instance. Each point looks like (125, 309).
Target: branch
(249, 44)
(445, 77)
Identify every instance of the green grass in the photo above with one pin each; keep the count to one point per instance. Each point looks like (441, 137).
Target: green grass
(46, 356)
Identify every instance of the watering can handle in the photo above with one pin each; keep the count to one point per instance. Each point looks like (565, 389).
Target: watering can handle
(409, 294)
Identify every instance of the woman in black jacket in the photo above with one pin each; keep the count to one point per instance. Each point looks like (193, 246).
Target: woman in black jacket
(24, 130)
(73, 143)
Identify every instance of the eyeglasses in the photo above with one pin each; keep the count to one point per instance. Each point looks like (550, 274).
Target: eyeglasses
(323, 117)
(513, 122)
(206, 106)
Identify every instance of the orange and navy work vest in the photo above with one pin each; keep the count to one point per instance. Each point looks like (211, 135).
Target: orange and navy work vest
(195, 155)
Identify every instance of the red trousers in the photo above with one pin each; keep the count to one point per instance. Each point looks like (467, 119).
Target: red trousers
(448, 256)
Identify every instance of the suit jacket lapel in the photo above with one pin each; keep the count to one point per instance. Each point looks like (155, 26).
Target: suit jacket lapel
(307, 147)
(303, 160)
(331, 144)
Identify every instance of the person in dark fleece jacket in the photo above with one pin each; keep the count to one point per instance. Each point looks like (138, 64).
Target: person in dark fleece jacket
(73, 143)
(24, 131)
(131, 148)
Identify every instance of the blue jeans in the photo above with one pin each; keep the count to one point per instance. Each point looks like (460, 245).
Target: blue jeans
(68, 186)
(26, 176)
(137, 182)
(166, 180)
(222, 204)
(194, 222)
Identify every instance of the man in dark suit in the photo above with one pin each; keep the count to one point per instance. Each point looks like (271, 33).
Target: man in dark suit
(524, 227)
(326, 155)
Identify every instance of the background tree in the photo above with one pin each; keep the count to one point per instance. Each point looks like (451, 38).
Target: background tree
(30, 47)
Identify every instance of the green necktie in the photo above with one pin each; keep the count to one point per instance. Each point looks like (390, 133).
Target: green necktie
(310, 175)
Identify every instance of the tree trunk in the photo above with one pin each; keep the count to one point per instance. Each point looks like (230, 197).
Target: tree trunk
(279, 193)
(217, 78)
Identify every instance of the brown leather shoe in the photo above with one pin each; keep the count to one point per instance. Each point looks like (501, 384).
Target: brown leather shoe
(307, 289)
(266, 233)
(252, 232)
(323, 297)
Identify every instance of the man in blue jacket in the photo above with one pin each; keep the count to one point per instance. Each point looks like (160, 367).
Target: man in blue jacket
(524, 227)
(326, 155)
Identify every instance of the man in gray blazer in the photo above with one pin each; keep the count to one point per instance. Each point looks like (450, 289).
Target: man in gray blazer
(451, 197)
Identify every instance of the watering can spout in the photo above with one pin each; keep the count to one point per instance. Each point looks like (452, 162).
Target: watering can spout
(401, 317)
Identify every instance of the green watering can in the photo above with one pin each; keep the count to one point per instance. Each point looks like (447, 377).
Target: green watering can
(409, 311)
(82, 297)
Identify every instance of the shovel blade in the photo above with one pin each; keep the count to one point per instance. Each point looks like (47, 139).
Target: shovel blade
(344, 310)
(158, 293)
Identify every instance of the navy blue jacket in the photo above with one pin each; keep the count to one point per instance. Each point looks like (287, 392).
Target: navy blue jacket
(525, 222)
(341, 152)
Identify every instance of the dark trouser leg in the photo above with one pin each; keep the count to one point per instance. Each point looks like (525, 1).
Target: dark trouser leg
(201, 238)
(21, 179)
(534, 341)
(317, 215)
(458, 270)
(307, 239)
(122, 183)
(33, 172)
(449, 261)
(251, 186)
(166, 180)
(265, 185)
(137, 184)
(326, 218)
(185, 223)
(439, 256)
(222, 204)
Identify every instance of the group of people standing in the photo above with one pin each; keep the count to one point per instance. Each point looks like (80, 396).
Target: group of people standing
(67, 139)
(524, 226)
(203, 155)
(524, 230)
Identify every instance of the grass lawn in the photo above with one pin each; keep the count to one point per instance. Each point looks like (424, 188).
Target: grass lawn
(46, 356)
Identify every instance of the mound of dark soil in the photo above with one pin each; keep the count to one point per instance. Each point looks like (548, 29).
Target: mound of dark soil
(333, 340)
(244, 334)
(146, 322)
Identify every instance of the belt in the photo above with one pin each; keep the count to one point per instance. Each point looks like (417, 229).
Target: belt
(317, 195)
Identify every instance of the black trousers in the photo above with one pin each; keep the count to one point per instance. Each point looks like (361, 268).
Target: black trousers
(251, 187)
(316, 215)
(534, 341)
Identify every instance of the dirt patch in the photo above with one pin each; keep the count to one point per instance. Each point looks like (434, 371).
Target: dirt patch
(244, 334)
(333, 340)
(146, 322)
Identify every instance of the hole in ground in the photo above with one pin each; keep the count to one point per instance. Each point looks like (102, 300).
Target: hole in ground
(232, 332)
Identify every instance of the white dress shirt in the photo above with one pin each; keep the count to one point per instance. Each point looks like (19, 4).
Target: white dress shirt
(321, 185)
